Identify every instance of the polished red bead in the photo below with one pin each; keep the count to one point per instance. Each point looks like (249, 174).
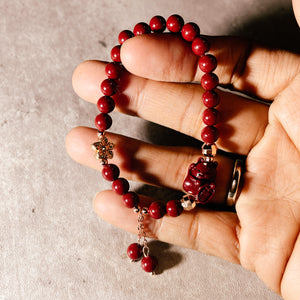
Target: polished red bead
(131, 199)
(135, 251)
(207, 63)
(156, 210)
(141, 28)
(175, 23)
(110, 172)
(103, 122)
(124, 36)
(120, 186)
(210, 99)
(200, 45)
(113, 70)
(209, 81)
(106, 104)
(157, 24)
(210, 116)
(115, 53)
(209, 135)
(174, 208)
(149, 263)
(189, 31)
(109, 87)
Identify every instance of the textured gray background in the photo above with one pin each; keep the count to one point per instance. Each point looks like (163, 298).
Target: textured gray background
(52, 245)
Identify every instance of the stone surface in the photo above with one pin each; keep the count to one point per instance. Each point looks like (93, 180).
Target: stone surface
(52, 244)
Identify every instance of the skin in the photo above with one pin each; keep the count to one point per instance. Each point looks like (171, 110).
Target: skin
(263, 235)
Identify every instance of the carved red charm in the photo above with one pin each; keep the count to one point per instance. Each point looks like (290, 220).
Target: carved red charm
(200, 180)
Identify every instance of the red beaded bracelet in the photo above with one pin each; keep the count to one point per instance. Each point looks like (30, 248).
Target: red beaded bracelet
(199, 183)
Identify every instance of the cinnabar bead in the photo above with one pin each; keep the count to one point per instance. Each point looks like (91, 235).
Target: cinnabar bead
(109, 87)
(210, 99)
(135, 251)
(207, 63)
(141, 28)
(110, 172)
(157, 24)
(149, 263)
(124, 36)
(106, 104)
(131, 199)
(209, 81)
(175, 23)
(210, 116)
(209, 135)
(200, 45)
(189, 31)
(120, 186)
(113, 70)
(115, 53)
(156, 210)
(174, 208)
(103, 122)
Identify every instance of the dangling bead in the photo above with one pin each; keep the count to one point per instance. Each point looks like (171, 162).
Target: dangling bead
(135, 251)
(149, 263)
(200, 46)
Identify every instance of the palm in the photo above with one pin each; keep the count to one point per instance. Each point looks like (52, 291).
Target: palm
(262, 235)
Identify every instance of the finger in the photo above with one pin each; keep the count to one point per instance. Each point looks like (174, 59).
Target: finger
(245, 66)
(179, 107)
(213, 233)
(143, 162)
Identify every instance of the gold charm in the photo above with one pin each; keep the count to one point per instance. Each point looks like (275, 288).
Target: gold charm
(103, 149)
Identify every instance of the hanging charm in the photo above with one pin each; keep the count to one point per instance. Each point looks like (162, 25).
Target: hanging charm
(136, 250)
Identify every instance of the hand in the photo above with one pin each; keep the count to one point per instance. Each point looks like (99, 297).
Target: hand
(263, 235)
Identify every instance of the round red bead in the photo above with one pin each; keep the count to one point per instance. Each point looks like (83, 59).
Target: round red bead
(149, 263)
(109, 87)
(207, 63)
(135, 251)
(113, 70)
(103, 122)
(157, 24)
(110, 172)
(209, 81)
(120, 186)
(141, 28)
(174, 208)
(131, 199)
(125, 35)
(189, 31)
(156, 210)
(210, 99)
(210, 116)
(200, 45)
(106, 104)
(175, 23)
(115, 53)
(209, 134)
